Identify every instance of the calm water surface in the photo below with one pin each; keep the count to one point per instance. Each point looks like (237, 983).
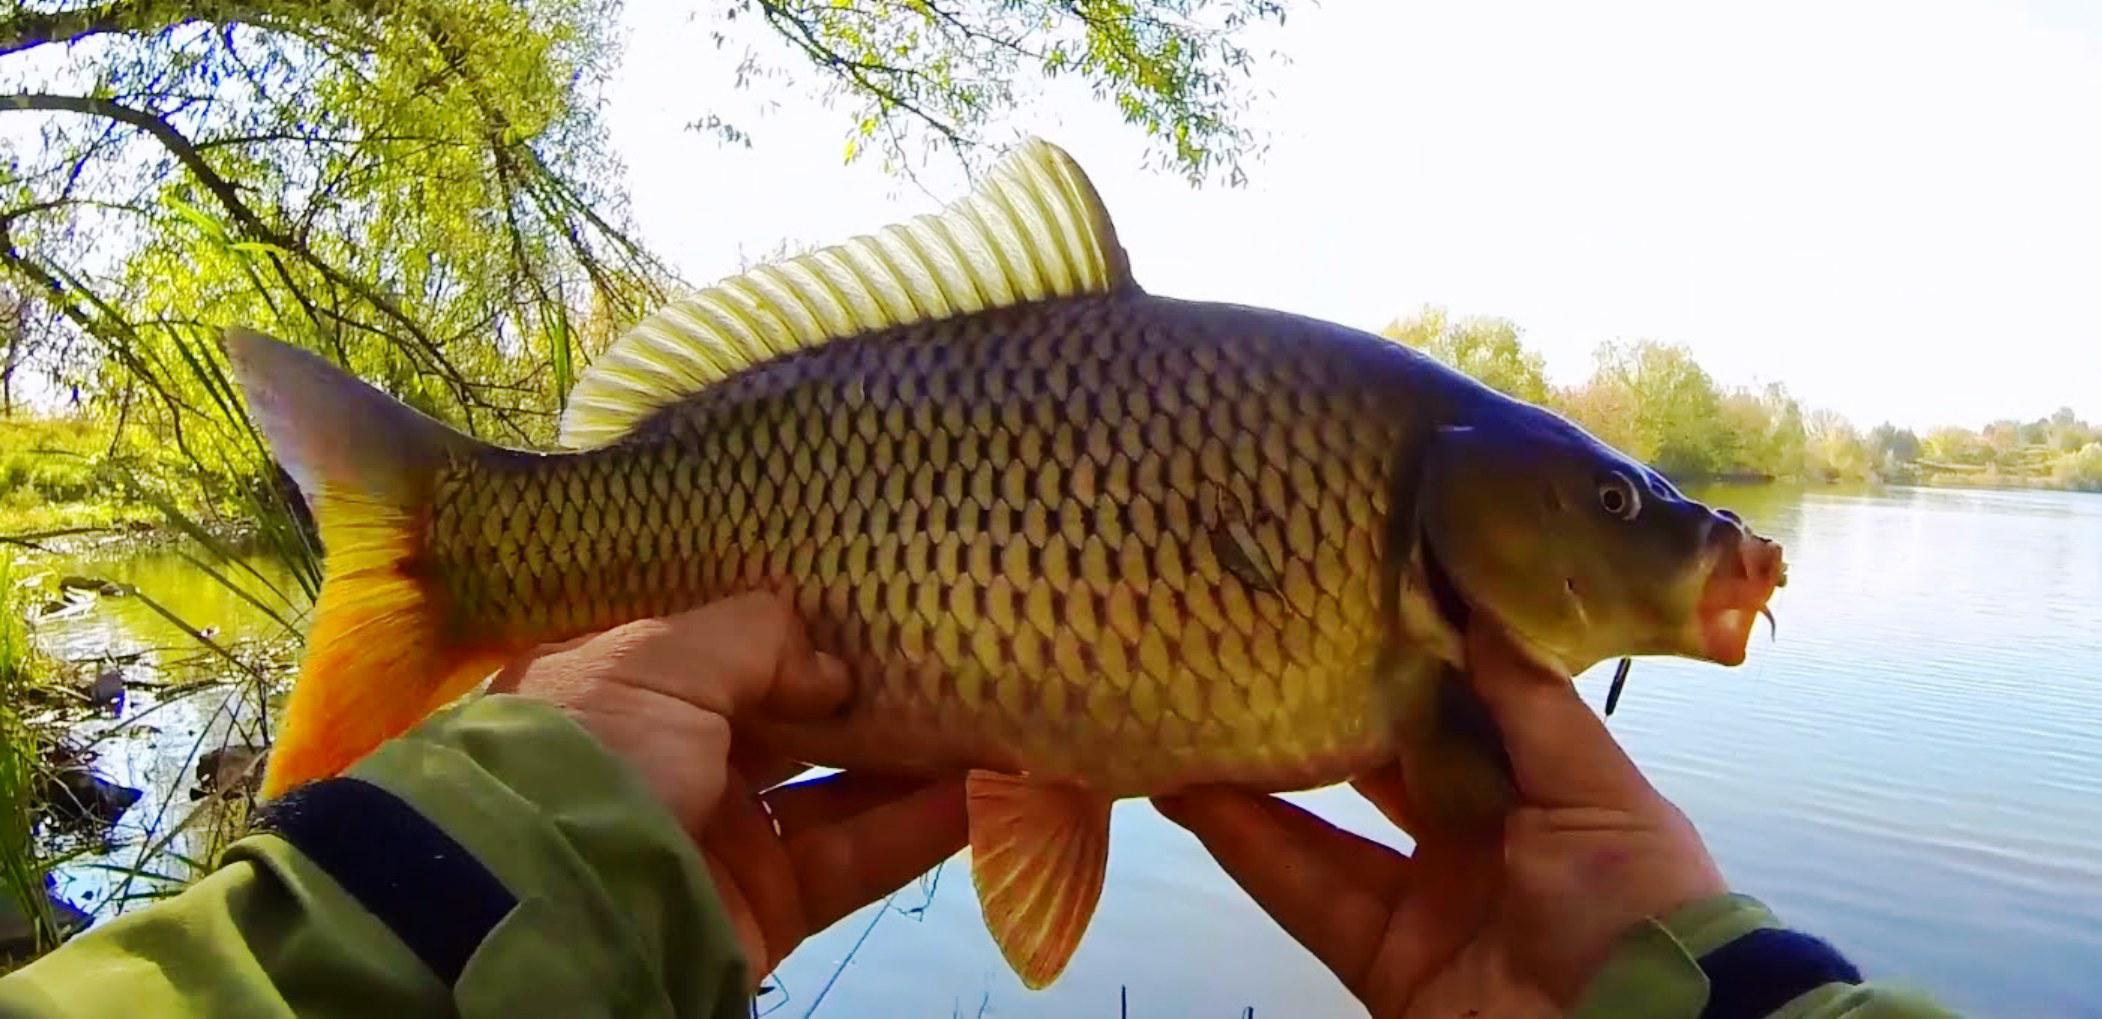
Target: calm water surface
(1912, 770)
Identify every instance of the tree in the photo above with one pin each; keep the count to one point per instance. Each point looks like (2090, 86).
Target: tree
(1836, 450)
(423, 195)
(1952, 445)
(934, 72)
(2082, 469)
(2066, 433)
(422, 189)
(1888, 440)
(1763, 432)
(1894, 451)
(2004, 436)
(1485, 348)
(27, 337)
(1678, 425)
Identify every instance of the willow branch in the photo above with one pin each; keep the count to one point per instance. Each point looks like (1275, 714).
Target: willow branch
(243, 215)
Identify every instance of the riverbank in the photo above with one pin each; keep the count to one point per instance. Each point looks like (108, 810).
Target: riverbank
(68, 488)
(137, 685)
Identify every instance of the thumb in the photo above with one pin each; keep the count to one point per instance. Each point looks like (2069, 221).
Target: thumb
(1560, 751)
(746, 654)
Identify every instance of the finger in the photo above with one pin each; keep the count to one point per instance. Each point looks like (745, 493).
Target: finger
(1259, 831)
(742, 653)
(829, 799)
(846, 865)
(1332, 891)
(741, 839)
(1560, 752)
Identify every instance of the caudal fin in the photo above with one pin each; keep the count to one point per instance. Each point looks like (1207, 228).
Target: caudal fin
(379, 654)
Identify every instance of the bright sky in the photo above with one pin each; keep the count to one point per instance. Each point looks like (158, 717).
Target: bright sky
(1893, 206)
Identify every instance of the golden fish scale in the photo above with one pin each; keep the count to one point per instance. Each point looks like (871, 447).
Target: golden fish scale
(1011, 526)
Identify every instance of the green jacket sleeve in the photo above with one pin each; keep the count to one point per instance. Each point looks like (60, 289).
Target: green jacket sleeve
(493, 861)
(1663, 968)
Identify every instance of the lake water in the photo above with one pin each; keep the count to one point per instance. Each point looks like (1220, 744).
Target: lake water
(1913, 770)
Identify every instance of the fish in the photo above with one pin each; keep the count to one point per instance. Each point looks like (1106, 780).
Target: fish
(1078, 542)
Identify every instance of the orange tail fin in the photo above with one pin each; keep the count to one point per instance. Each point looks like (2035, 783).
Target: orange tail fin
(381, 654)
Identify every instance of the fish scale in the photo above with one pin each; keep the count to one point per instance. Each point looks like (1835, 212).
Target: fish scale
(1012, 535)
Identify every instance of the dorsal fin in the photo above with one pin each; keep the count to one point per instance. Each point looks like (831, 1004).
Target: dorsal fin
(1034, 229)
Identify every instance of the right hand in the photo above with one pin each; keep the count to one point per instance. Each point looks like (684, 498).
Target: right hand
(1516, 926)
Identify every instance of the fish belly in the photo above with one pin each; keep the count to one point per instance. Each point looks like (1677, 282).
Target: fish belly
(1129, 542)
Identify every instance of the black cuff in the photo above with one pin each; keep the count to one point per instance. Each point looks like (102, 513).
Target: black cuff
(436, 897)
(1754, 975)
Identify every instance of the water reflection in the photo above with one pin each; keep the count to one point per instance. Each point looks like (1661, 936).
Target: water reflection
(178, 702)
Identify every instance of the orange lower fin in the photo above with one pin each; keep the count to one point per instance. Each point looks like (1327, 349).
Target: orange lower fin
(1038, 853)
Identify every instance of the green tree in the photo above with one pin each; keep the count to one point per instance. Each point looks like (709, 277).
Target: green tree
(1894, 450)
(1606, 411)
(423, 189)
(1487, 349)
(1678, 425)
(1950, 444)
(921, 74)
(2066, 433)
(1888, 440)
(1764, 432)
(2081, 469)
(1836, 451)
(2003, 437)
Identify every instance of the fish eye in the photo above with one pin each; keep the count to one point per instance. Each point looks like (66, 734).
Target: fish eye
(1616, 495)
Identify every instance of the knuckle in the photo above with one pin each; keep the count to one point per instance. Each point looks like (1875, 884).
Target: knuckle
(625, 644)
(773, 616)
(767, 632)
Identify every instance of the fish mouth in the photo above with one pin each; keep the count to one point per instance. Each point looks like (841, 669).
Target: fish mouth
(1746, 572)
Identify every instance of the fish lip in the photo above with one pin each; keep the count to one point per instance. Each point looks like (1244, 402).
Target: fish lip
(1742, 576)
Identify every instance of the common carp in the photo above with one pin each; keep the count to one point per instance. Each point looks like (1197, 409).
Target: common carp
(1076, 541)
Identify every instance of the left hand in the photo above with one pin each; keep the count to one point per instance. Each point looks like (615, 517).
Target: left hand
(788, 860)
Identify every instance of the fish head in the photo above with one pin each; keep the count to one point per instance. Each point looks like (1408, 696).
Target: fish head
(1581, 552)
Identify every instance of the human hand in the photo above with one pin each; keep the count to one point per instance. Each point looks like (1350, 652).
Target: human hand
(663, 695)
(1512, 926)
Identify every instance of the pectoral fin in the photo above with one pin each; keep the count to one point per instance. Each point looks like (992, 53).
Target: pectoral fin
(1038, 852)
(1459, 775)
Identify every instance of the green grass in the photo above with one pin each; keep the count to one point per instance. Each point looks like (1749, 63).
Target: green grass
(50, 477)
(22, 865)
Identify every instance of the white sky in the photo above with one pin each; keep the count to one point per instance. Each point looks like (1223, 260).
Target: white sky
(1893, 206)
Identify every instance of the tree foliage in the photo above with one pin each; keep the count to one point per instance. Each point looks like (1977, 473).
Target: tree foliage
(1486, 348)
(418, 188)
(423, 190)
(1677, 423)
(1653, 401)
(934, 71)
